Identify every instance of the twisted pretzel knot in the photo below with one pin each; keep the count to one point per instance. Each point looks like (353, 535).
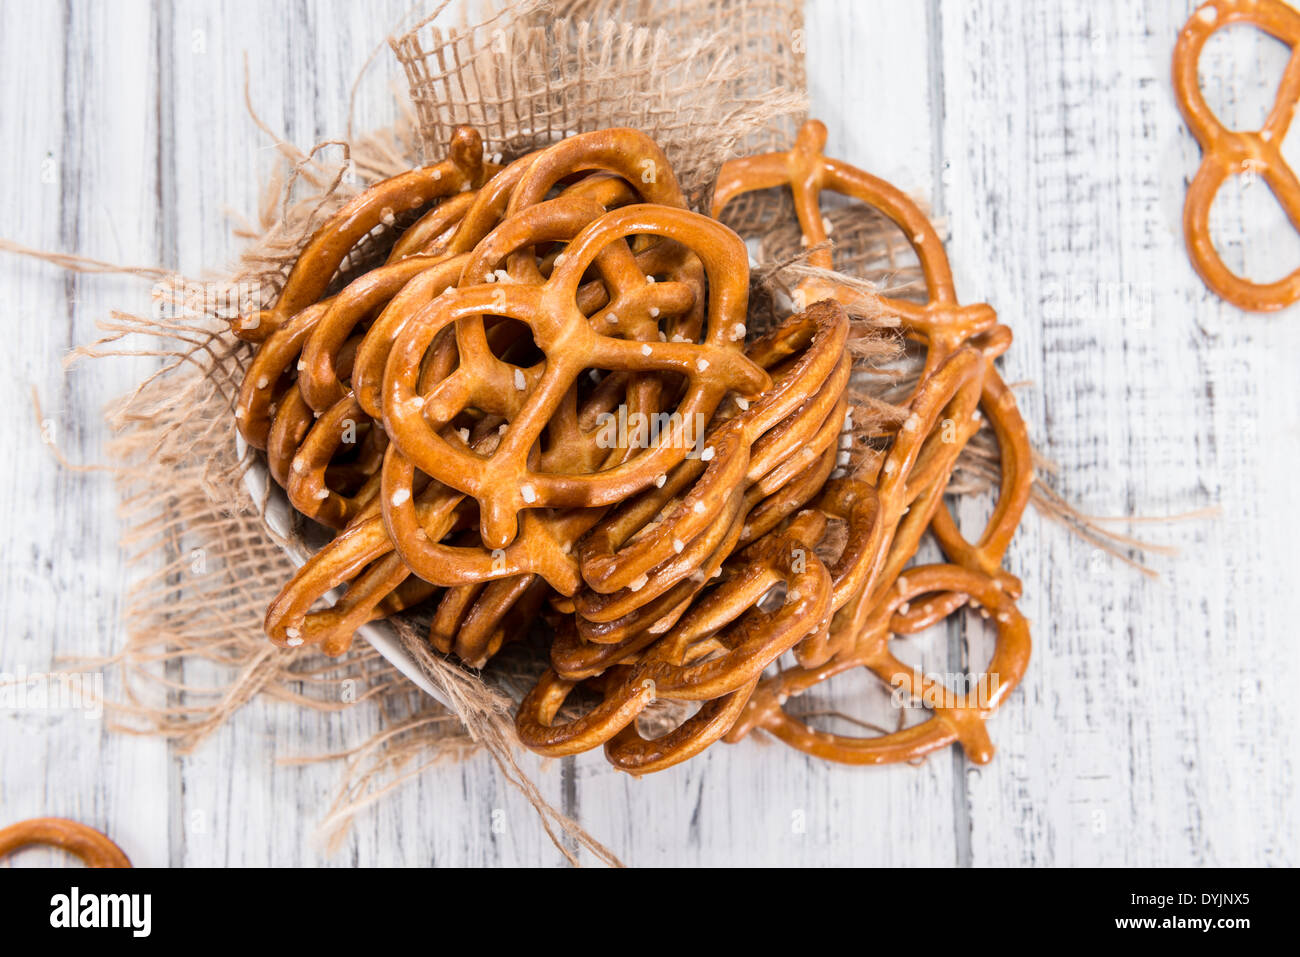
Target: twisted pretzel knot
(92, 847)
(504, 484)
(1231, 152)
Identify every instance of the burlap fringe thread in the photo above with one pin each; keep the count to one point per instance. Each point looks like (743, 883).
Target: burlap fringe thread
(705, 78)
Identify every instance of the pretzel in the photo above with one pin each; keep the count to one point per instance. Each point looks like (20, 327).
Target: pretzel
(636, 602)
(941, 323)
(92, 847)
(955, 717)
(320, 259)
(361, 557)
(1231, 152)
(504, 484)
(645, 615)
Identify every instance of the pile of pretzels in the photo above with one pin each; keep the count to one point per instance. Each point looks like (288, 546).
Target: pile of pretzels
(544, 410)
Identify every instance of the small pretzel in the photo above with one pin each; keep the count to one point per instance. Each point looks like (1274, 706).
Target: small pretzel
(942, 323)
(505, 484)
(94, 848)
(955, 717)
(1231, 152)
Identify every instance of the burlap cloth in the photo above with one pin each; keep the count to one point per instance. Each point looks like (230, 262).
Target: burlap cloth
(707, 79)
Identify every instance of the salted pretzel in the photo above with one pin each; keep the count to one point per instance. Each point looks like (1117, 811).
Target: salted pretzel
(92, 847)
(318, 263)
(954, 716)
(610, 616)
(942, 323)
(611, 628)
(1232, 152)
(504, 484)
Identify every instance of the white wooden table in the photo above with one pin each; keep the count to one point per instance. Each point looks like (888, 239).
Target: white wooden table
(1154, 725)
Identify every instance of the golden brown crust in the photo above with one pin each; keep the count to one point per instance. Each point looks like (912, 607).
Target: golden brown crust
(92, 847)
(1233, 152)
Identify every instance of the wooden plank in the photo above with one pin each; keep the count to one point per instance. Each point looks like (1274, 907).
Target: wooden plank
(1147, 732)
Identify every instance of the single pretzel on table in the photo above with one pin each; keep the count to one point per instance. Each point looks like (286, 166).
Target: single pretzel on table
(1232, 152)
(92, 847)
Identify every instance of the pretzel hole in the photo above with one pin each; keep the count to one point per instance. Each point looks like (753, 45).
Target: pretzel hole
(956, 650)
(512, 341)
(855, 704)
(1239, 73)
(663, 716)
(1250, 231)
(865, 244)
(773, 600)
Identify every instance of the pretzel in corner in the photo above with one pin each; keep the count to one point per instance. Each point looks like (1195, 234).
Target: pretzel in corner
(1232, 152)
(92, 847)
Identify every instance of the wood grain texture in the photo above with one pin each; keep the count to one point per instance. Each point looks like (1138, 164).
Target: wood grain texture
(1153, 726)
